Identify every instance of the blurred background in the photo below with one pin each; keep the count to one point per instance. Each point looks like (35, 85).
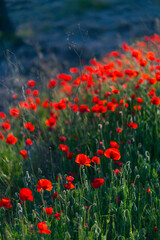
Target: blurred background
(53, 35)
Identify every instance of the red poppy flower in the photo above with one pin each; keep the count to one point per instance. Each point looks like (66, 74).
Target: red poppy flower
(99, 152)
(28, 142)
(68, 186)
(52, 83)
(51, 122)
(2, 115)
(48, 210)
(23, 153)
(97, 182)
(25, 194)
(132, 125)
(112, 153)
(155, 101)
(55, 195)
(44, 184)
(84, 108)
(1, 136)
(96, 159)
(5, 126)
(14, 112)
(69, 155)
(64, 148)
(29, 126)
(6, 203)
(31, 83)
(119, 130)
(82, 159)
(57, 216)
(116, 171)
(43, 228)
(62, 139)
(114, 144)
(64, 77)
(139, 100)
(70, 179)
(11, 139)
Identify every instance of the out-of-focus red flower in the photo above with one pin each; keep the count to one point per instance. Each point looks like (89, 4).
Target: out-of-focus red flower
(14, 112)
(44, 184)
(29, 126)
(57, 216)
(119, 130)
(5, 126)
(52, 83)
(48, 210)
(155, 101)
(31, 83)
(97, 182)
(23, 153)
(69, 155)
(132, 125)
(84, 108)
(116, 171)
(28, 142)
(55, 195)
(43, 228)
(2, 115)
(51, 122)
(6, 203)
(99, 152)
(82, 159)
(96, 159)
(112, 153)
(114, 144)
(62, 138)
(11, 139)
(148, 190)
(68, 186)
(64, 148)
(70, 179)
(1, 136)
(25, 194)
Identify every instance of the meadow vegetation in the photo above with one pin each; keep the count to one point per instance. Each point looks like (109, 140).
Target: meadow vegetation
(80, 155)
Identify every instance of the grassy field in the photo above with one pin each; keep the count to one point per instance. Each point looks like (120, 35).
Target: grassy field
(80, 155)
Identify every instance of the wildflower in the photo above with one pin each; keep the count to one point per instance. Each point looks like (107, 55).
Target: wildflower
(70, 179)
(96, 159)
(116, 171)
(44, 184)
(55, 195)
(14, 112)
(52, 83)
(64, 148)
(11, 139)
(112, 153)
(97, 182)
(64, 77)
(23, 153)
(148, 190)
(43, 228)
(155, 101)
(28, 142)
(25, 194)
(5, 126)
(69, 155)
(82, 159)
(2, 115)
(119, 130)
(84, 108)
(29, 126)
(99, 152)
(31, 83)
(114, 144)
(57, 216)
(48, 210)
(62, 139)
(51, 122)
(1, 136)
(132, 125)
(155, 229)
(6, 203)
(68, 186)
